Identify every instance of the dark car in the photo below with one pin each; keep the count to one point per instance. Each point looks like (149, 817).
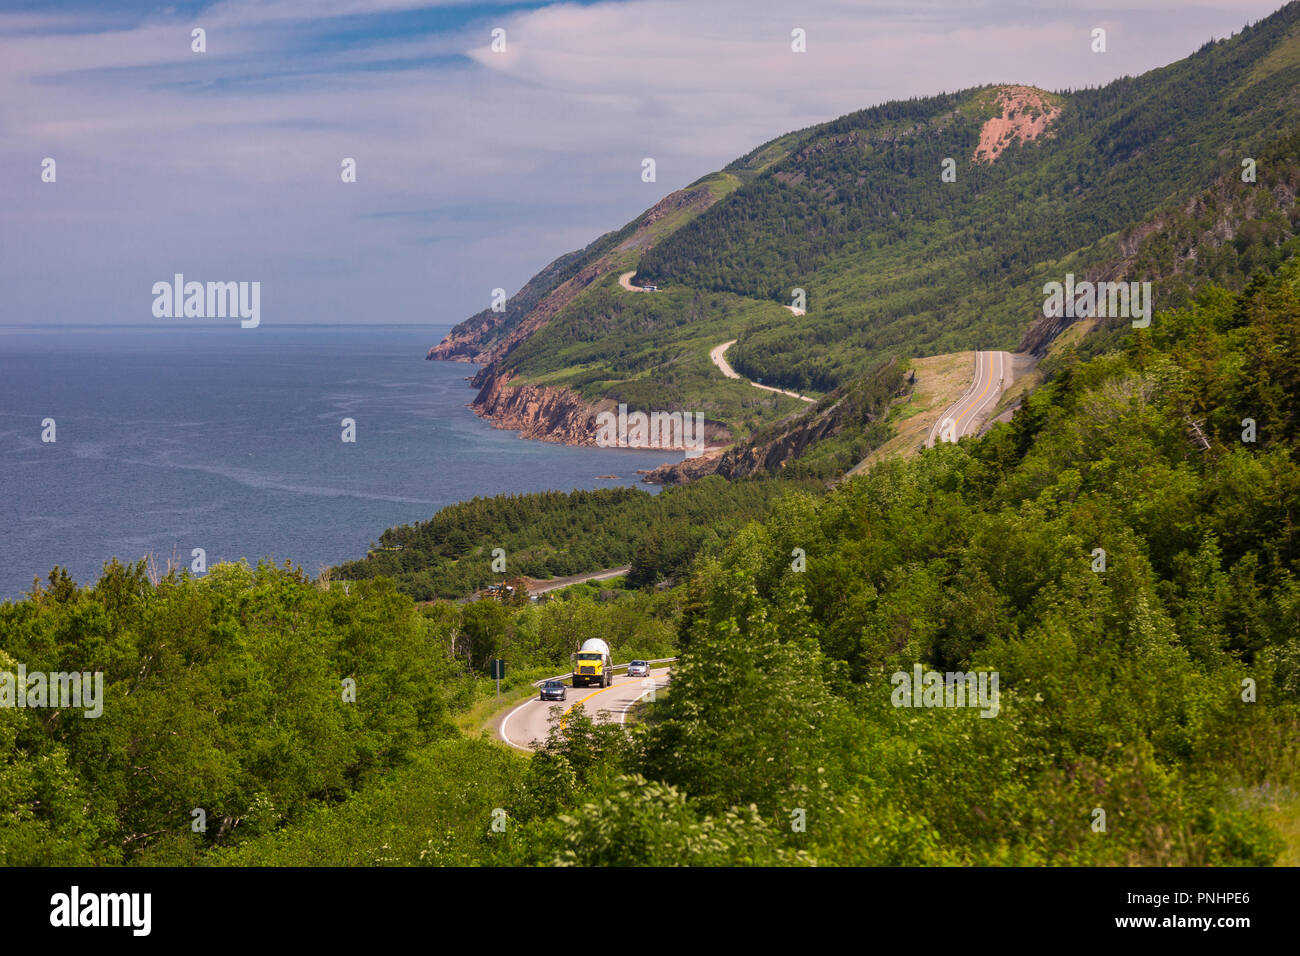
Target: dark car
(555, 690)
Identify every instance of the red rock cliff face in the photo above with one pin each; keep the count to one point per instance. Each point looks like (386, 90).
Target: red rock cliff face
(466, 345)
(538, 412)
(544, 413)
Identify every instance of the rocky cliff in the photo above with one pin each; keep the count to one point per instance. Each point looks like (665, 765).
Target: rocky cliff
(1223, 235)
(538, 412)
(544, 413)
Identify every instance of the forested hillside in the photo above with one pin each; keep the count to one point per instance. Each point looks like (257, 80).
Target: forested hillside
(1155, 689)
(1120, 560)
(552, 534)
(1161, 688)
(1158, 683)
(254, 701)
(894, 261)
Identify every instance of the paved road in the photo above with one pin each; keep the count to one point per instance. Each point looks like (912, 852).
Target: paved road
(554, 584)
(525, 726)
(964, 416)
(625, 280)
(716, 357)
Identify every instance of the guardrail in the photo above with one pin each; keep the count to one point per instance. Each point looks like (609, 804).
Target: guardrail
(613, 667)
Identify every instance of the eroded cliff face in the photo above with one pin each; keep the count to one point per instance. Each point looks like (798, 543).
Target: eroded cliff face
(751, 457)
(538, 412)
(466, 345)
(1044, 329)
(1026, 113)
(545, 413)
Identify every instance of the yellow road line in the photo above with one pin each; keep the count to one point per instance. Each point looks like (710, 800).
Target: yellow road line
(961, 400)
(584, 700)
(980, 400)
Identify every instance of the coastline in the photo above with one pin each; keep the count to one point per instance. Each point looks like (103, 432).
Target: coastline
(561, 416)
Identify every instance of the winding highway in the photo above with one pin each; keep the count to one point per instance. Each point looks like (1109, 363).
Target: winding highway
(968, 413)
(716, 356)
(525, 726)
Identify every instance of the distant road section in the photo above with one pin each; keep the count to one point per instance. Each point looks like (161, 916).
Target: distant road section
(716, 357)
(554, 584)
(968, 413)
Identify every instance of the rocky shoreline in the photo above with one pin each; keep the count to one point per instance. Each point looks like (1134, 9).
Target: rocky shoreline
(560, 415)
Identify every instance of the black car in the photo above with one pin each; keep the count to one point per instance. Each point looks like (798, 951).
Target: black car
(555, 690)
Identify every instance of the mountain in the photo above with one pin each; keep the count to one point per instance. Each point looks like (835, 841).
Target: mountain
(1141, 179)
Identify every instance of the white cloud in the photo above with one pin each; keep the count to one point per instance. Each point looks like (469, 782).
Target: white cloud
(231, 158)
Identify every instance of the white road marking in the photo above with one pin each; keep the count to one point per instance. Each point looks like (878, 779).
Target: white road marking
(622, 714)
(972, 401)
(504, 723)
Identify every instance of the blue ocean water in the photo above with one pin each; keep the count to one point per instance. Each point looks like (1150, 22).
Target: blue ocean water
(175, 437)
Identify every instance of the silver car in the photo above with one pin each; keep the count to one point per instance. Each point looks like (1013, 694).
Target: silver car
(638, 669)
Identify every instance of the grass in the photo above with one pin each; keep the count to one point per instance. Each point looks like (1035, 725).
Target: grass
(1285, 54)
(481, 716)
(1284, 817)
(940, 381)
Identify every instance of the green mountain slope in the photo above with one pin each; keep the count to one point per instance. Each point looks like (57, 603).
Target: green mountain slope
(895, 262)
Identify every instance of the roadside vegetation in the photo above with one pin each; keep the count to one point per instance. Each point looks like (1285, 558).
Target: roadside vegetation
(1123, 555)
(1162, 691)
(553, 534)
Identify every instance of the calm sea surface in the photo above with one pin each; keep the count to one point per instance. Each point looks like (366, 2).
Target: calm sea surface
(179, 437)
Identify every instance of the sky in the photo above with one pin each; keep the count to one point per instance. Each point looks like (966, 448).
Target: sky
(475, 167)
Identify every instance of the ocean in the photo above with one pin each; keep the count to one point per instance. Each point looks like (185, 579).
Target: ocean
(175, 437)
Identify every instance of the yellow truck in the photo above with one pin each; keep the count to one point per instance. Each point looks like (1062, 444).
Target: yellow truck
(592, 665)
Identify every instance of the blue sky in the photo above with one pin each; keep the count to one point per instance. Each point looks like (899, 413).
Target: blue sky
(475, 168)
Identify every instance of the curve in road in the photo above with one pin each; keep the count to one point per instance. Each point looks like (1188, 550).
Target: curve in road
(527, 724)
(968, 412)
(625, 280)
(716, 357)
